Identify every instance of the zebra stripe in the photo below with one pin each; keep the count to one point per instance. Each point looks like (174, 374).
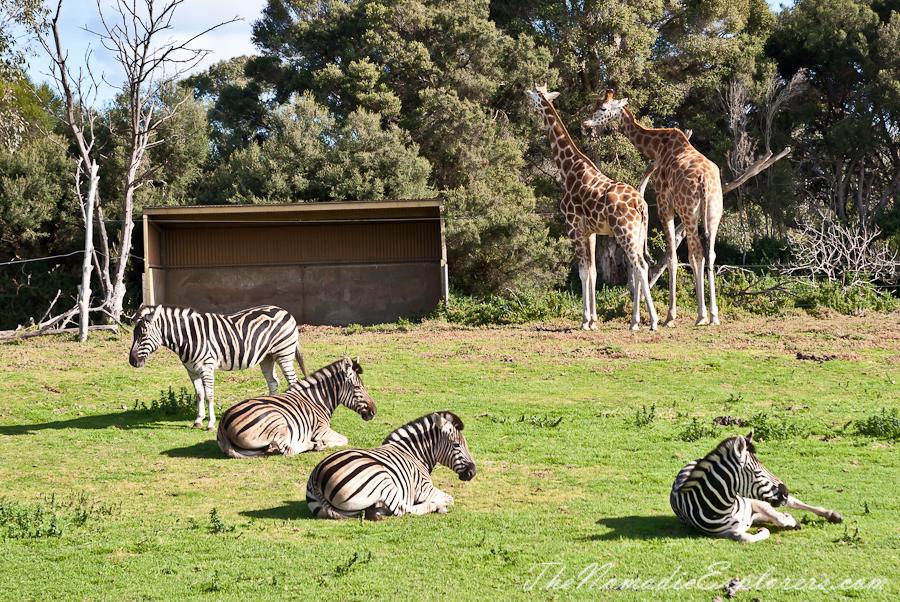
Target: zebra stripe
(205, 342)
(297, 420)
(728, 490)
(393, 479)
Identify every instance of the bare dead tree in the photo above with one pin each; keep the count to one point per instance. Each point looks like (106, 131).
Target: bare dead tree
(841, 253)
(131, 33)
(79, 94)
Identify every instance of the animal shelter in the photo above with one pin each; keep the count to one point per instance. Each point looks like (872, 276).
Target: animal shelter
(334, 263)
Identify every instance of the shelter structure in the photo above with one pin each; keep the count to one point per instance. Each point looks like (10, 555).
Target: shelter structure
(334, 263)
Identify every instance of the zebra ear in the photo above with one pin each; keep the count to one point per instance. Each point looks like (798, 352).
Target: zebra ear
(740, 448)
(155, 314)
(749, 436)
(356, 367)
(443, 425)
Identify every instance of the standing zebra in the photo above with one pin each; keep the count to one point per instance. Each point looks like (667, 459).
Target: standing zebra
(727, 491)
(394, 478)
(205, 342)
(297, 420)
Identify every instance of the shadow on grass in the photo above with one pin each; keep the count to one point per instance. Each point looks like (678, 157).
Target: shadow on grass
(291, 510)
(642, 527)
(204, 449)
(125, 420)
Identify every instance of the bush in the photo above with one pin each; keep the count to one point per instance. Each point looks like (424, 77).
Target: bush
(883, 426)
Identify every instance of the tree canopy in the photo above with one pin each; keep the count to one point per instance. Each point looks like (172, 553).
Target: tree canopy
(372, 99)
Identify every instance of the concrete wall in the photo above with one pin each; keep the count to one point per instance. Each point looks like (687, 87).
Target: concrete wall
(333, 295)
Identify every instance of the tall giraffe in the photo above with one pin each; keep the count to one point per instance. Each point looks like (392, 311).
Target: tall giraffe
(595, 204)
(686, 183)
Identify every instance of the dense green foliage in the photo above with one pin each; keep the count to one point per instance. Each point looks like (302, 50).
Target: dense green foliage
(373, 99)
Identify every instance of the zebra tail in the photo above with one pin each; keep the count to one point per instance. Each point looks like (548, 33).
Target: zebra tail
(319, 506)
(233, 451)
(298, 355)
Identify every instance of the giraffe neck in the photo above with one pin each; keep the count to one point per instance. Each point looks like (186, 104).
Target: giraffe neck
(566, 154)
(653, 143)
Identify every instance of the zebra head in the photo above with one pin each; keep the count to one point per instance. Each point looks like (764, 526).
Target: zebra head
(605, 111)
(452, 449)
(752, 479)
(147, 335)
(353, 392)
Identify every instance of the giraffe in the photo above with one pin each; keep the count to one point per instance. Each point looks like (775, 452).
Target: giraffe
(687, 183)
(595, 204)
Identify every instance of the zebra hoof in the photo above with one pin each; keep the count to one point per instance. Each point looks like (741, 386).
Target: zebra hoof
(835, 517)
(197, 425)
(210, 428)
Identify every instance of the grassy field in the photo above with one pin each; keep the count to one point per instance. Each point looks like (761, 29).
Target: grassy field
(577, 436)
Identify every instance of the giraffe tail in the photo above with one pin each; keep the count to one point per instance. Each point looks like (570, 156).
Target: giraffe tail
(645, 231)
(704, 208)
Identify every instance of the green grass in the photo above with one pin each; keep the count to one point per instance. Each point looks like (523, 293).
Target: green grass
(578, 437)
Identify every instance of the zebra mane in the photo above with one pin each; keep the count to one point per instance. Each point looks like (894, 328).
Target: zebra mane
(728, 443)
(147, 310)
(324, 373)
(722, 449)
(422, 424)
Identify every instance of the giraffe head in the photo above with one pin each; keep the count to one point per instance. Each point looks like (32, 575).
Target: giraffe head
(606, 110)
(539, 95)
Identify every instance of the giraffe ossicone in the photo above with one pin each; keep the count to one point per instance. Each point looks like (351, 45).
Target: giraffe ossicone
(594, 204)
(687, 183)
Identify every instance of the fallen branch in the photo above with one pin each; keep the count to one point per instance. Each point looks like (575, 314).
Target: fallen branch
(48, 332)
(762, 164)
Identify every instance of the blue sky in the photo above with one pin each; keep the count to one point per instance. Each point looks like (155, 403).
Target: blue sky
(191, 17)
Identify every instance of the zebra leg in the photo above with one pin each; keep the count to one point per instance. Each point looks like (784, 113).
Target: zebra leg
(267, 365)
(197, 380)
(761, 534)
(765, 513)
(208, 379)
(432, 495)
(286, 362)
(833, 516)
(329, 438)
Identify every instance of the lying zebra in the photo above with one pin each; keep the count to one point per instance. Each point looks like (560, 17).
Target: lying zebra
(263, 335)
(297, 420)
(728, 490)
(393, 479)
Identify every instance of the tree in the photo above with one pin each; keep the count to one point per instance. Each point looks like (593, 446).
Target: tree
(442, 72)
(306, 154)
(150, 71)
(848, 118)
(14, 13)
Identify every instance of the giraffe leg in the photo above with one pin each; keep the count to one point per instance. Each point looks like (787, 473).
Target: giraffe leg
(711, 272)
(671, 256)
(695, 253)
(592, 287)
(642, 285)
(584, 251)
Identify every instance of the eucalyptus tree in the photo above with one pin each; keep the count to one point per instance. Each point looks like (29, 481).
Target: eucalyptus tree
(445, 74)
(849, 120)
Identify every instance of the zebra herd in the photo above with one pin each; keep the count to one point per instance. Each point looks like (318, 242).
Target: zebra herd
(721, 495)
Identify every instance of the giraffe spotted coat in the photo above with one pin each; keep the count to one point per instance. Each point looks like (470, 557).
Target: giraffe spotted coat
(687, 183)
(594, 204)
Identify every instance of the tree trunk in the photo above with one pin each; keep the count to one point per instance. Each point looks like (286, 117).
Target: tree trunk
(84, 292)
(612, 265)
